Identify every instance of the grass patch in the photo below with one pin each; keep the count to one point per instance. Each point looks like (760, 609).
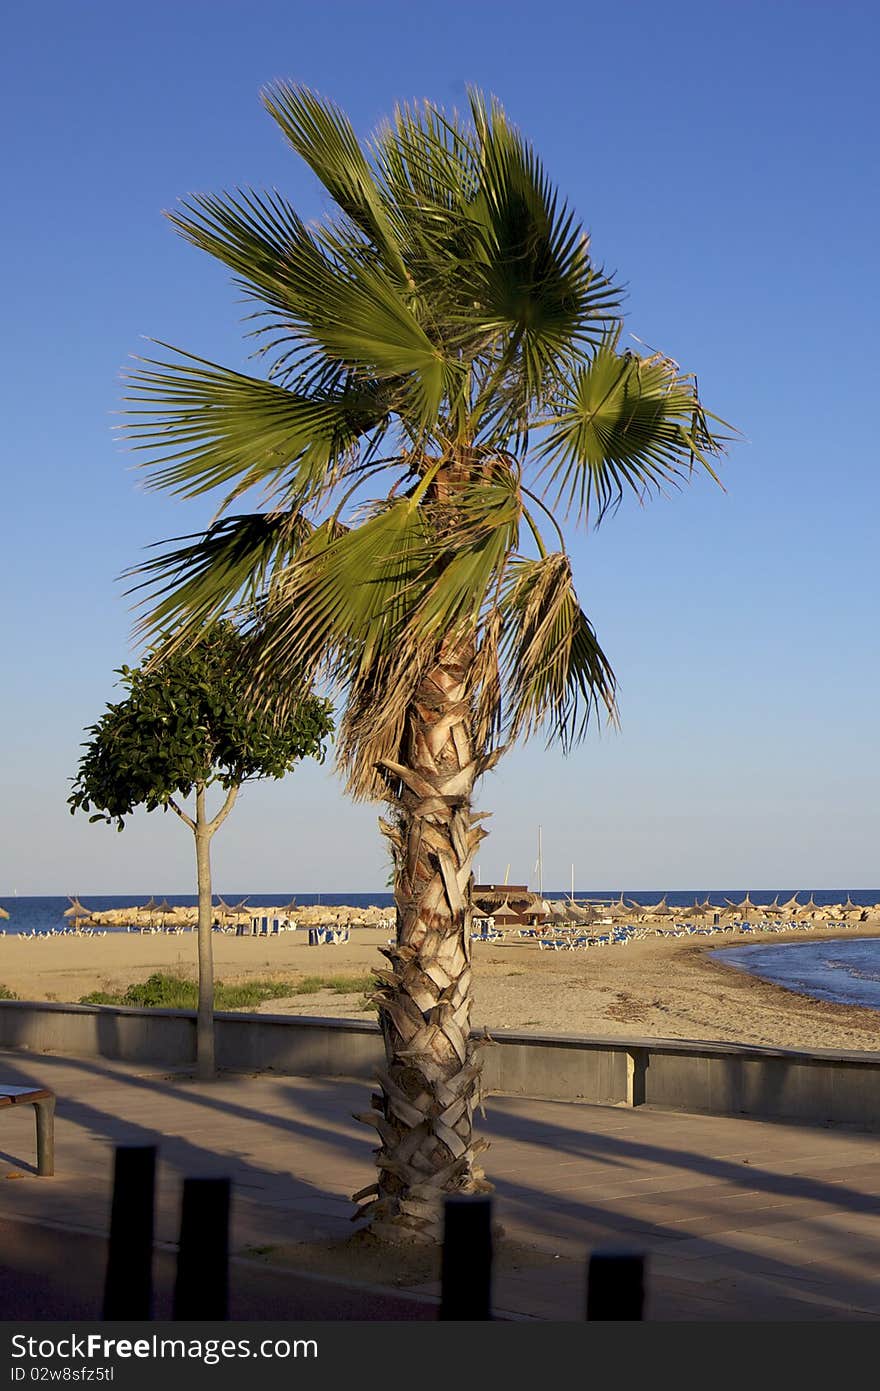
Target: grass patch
(340, 985)
(7, 994)
(161, 991)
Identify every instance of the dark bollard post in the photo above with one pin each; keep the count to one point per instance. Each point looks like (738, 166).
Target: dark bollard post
(201, 1290)
(128, 1288)
(45, 1113)
(466, 1274)
(616, 1285)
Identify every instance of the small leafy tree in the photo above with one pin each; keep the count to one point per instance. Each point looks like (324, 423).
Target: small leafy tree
(187, 723)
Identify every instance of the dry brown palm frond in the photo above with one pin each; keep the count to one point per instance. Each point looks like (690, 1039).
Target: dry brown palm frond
(372, 727)
(555, 670)
(487, 682)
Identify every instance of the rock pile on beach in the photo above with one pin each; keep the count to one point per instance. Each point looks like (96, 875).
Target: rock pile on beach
(308, 916)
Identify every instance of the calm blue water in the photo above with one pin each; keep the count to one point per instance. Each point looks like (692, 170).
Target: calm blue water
(44, 914)
(844, 972)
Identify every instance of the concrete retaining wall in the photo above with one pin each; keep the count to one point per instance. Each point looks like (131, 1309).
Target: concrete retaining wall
(724, 1079)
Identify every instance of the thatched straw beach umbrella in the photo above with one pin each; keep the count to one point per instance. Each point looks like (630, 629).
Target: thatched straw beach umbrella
(76, 912)
(230, 912)
(581, 913)
(165, 910)
(743, 908)
(3, 913)
(809, 909)
(620, 909)
(696, 910)
(769, 909)
(505, 914)
(222, 907)
(148, 910)
(657, 910)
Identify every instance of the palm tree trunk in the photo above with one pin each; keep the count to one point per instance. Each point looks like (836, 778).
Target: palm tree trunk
(431, 1082)
(205, 1068)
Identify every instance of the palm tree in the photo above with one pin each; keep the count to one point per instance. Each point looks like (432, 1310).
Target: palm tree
(443, 369)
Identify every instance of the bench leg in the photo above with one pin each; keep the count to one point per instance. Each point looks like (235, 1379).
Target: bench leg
(45, 1111)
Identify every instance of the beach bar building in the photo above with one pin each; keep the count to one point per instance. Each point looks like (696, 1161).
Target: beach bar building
(514, 901)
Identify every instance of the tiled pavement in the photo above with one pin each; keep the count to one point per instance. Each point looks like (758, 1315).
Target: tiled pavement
(740, 1219)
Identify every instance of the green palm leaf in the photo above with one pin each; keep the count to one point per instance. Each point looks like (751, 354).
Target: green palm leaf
(260, 237)
(429, 171)
(476, 529)
(323, 135)
(628, 422)
(342, 601)
(535, 280)
(324, 293)
(214, 426)
(226, 568)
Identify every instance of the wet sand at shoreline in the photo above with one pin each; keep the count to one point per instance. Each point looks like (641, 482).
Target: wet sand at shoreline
(657, 987)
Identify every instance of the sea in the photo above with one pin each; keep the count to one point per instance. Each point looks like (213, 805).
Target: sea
(842, 971)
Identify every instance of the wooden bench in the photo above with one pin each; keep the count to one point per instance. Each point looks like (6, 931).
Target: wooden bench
(43, 1103)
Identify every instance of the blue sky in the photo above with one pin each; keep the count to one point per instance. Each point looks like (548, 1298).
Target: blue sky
(723, 156)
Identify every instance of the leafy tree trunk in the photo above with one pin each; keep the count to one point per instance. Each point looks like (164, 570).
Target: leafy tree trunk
(431, 1081)
(204, 829)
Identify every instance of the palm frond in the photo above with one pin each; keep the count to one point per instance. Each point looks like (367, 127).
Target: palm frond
(323, 135)
(428, 165)
(487, 686)
(260, 237)
(628, 423)
(222, 570)
(535, 281)
(555, 674)
(476, 530)
(330, 298)
(341, 603)
(363, 321)
(207, 426)
(373, 724)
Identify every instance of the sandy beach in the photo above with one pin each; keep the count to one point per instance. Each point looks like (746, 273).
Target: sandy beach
(658, 987)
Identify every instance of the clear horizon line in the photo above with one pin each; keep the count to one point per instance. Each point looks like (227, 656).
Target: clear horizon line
(190, 892)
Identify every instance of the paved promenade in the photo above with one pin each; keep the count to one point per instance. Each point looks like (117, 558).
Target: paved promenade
(740, 1219)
